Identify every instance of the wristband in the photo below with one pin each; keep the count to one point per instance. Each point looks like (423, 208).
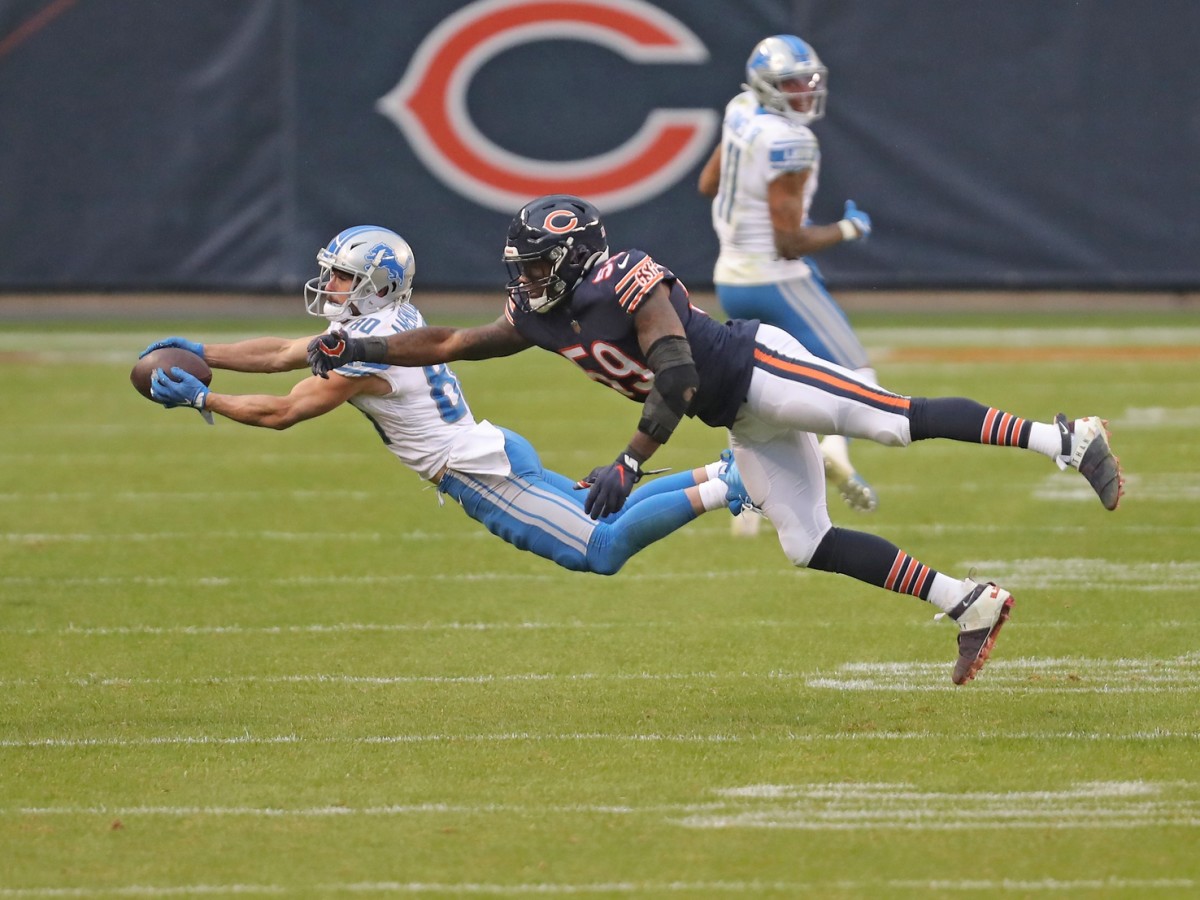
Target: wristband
(632, 461)
(849, 231)
(374, 349)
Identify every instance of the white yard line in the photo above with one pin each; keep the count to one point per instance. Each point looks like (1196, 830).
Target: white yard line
(921, 622)
(819, 807)
(384, 680)
(629, 888)
(1027, 676)
(1045, 572)
(1038, 675)
(72, 743)
(1103, 805)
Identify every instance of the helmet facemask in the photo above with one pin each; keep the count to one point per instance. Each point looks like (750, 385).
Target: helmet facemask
(535, 282)
(552, 244)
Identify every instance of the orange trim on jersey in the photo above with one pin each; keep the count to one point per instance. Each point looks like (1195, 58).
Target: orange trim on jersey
(634, 287)
(853, 387)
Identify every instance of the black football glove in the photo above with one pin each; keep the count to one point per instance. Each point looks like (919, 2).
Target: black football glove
(611, 486)
(585, 483)
(327, 352)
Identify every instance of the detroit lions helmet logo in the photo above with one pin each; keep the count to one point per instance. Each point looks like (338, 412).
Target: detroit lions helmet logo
(381, 256)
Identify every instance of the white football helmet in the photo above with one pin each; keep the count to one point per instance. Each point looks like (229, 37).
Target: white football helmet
(382, 265)
(787, 77)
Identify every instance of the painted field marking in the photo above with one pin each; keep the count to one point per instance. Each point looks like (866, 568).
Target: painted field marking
(79, 341)
(923, 623)
(375, 627)
(74, 743)
(949, 336)
(386, 680)
(1147, 418)
(783, 571)
(1161, 488)
(1045, 573)
(1065, 675)
(811, 807)
(841, 794)
(1069, 675)
(629, 888)
(859, 807)
(1037, 572)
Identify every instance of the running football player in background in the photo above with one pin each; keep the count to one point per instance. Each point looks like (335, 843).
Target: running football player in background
(626, 321)
(363, 288)
(762, 177)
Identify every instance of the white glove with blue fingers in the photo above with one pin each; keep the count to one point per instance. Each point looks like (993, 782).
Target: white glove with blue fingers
(181, 343)
(855, 223)
(180, 388)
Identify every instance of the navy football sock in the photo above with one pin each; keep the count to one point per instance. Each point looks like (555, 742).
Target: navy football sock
(960, 419)
(874, 560)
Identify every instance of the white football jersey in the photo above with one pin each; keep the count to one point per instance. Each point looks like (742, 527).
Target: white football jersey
(425, 420)
(756, 148)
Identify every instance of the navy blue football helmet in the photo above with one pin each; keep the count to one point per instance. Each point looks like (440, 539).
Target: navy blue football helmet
(552, 244)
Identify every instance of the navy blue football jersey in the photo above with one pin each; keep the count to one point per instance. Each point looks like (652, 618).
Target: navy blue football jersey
(594, 329)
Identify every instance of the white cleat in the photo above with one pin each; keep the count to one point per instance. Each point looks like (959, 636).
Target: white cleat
(1086, 448)
(980, 616)
(841, 474)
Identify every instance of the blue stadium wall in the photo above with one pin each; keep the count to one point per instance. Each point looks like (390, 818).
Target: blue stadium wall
(216, 144)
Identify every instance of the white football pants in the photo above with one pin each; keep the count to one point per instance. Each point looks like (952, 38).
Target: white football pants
(793, 397)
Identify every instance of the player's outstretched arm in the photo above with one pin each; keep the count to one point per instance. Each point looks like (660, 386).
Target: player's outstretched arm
(264, 354)
(426, 346)
(310, 398)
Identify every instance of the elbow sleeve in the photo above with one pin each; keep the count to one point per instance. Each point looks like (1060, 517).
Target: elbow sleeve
(675, 382)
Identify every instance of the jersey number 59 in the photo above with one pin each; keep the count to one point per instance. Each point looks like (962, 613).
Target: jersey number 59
(609, 366)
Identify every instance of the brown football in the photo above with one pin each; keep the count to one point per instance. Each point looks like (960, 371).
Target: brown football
(165, 358)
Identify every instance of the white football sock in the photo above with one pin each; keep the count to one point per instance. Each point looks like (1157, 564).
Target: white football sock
(712, 494)
(1045, 438)
(946, 593)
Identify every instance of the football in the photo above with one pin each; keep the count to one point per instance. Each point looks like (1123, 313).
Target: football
(166, 358)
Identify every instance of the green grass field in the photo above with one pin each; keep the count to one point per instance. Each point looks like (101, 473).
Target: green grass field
(235, 661)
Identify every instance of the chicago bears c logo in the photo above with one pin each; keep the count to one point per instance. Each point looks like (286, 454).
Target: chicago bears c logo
(569, 221)
(429, 104)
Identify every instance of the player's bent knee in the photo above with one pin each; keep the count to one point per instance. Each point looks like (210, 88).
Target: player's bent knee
(605, 568)
(799, 548)
(603, 562)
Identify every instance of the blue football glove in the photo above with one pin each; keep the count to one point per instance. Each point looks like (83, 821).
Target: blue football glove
(611, 486)
(181, 343)
(180, 388)
(327, 352)
(856, 219)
